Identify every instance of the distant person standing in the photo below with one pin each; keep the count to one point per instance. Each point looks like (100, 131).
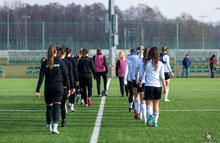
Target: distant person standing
(213, 66)
(101, 70)
(186, 64)
(120, 69)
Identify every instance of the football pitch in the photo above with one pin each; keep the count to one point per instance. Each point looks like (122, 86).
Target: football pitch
(192, 115)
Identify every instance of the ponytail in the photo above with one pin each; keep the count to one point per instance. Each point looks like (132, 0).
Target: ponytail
(50, 56)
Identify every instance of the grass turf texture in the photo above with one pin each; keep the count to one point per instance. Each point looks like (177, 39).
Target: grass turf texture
(118, 125)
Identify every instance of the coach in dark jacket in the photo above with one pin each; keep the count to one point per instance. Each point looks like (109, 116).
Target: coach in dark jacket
(186, 64)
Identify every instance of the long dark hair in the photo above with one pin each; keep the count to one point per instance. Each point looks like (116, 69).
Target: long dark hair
(68, 51)
(85, 52)
(145, 58)
(50, 56)
(154, 55)
(61, 51)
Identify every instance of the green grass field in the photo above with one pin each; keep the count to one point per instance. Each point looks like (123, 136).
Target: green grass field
(194, 110)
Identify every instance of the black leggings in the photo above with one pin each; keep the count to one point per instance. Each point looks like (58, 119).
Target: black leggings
(130, 89)
(73, 96)
(121, 81)
(98, 80)
(63, 104)
(86, 82)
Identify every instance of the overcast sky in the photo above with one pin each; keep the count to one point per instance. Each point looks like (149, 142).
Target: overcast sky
(169, 8)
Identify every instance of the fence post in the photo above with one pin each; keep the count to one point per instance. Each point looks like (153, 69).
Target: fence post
(177, 48)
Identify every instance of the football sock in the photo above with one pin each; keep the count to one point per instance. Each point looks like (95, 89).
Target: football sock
(56, 108)
(143, 106)
(130, 105)
(149, 111)
(63, 111)
(156, 116)
(49, 114)
(166, 96)
(136, 106)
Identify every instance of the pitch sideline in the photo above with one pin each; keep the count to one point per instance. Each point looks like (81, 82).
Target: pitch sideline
(95, 133)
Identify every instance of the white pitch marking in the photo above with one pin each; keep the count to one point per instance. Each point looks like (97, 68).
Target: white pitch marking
(121, 111)
(95, 133)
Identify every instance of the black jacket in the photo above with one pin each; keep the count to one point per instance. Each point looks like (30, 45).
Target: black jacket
(70, 73)
(75, 72)
(55, 78)
(86, 66)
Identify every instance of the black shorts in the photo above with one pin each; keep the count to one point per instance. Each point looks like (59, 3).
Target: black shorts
(152, 93)
(167, 75)
(141, 89)
(134, 84)
(53, 96)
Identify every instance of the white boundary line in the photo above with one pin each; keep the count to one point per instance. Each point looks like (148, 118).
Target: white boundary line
(95, 133)
(121, 111)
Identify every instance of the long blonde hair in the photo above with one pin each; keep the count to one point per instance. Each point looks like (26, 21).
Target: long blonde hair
(122, 55)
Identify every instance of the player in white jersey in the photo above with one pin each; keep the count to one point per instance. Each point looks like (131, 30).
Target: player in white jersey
(164, 58)
(128, 77)
(140, 90)
(153, 72)
(135, 59)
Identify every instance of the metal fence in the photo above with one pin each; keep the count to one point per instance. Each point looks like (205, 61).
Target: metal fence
(91, 35)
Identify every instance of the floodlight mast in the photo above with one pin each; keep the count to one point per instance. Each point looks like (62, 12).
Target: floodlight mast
(113, 37)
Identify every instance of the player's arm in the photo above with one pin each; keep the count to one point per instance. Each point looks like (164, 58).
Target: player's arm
(41, 78)
(126, 73)
(162, 78)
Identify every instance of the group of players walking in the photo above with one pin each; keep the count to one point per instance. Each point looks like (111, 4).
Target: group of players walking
(143, 73)
(67, 76)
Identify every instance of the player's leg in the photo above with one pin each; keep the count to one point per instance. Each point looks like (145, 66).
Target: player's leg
(130, 98)
(183, 71)
(148, 97)
(63, 108)
(83, 90)
(104, 76)
(56, 109)
(49, 109)
(136, 100)
(121, 82)
(98, 82)
(89, 85)
(156, 112)
(167, 81)
(143, 105)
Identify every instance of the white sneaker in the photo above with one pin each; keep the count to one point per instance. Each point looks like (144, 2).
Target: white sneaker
(166, 100)
(49, 127)
(77, 98)
(72, 108)
(82, 102)
(55, 131)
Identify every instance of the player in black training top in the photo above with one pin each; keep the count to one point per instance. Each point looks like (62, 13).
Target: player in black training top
(86, 68)
(75, 78)
(62, 55)
(56, 77)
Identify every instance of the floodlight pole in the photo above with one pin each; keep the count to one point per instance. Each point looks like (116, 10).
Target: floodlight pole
(26, 38)
(177, 49)
(113, 37)
(8, 38)
(203, 31)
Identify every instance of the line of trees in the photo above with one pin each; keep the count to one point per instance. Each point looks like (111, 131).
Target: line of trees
(84, 26)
